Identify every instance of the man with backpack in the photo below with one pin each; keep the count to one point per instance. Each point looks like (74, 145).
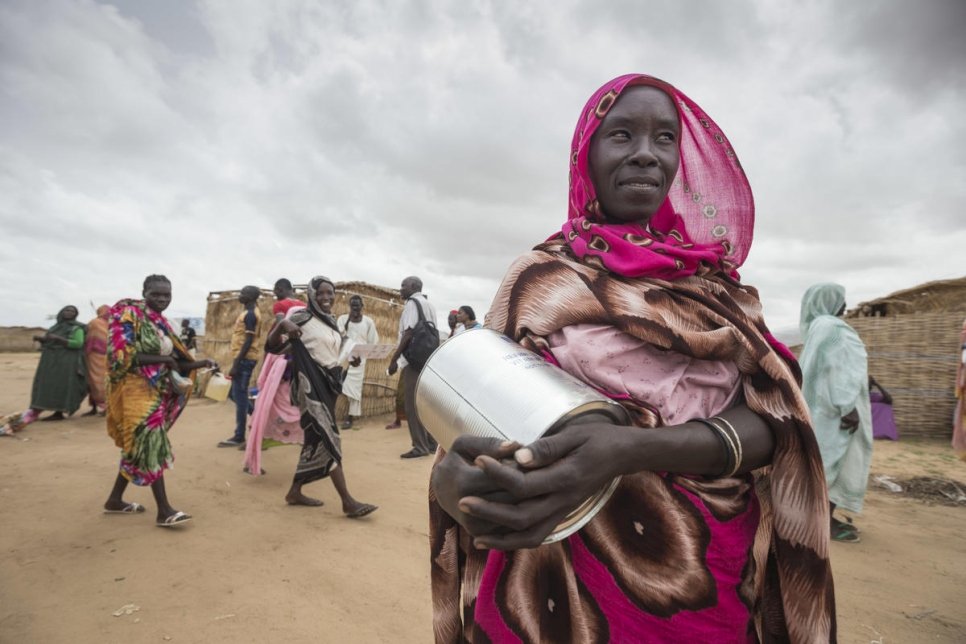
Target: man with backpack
(418, 338)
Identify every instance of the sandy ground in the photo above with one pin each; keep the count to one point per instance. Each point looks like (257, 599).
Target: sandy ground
(252, 569)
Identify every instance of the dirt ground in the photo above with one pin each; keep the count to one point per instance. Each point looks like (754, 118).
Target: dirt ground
(250, 568)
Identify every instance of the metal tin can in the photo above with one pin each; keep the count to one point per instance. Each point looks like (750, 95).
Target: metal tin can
(482, 383)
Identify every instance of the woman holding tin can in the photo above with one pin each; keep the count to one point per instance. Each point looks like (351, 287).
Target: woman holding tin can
(718, 530)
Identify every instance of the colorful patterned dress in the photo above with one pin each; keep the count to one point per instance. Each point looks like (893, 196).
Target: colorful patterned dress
(142, 402)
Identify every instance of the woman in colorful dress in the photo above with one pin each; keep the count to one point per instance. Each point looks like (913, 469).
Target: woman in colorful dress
(95, 354)
(60, 382)
(146, 392)
(314, 341)
(718, 530)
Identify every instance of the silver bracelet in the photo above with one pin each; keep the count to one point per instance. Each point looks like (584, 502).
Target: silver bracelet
(736, 441)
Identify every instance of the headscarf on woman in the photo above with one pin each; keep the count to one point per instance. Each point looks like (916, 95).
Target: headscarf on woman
(95, 352)
(835, 380)
(639, 571)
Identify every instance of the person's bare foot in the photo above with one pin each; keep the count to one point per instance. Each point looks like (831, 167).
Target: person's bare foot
(57, 415)
(92, 412)
(297, 498)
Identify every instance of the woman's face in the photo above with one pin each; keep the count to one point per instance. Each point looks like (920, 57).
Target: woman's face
(158, 296)
(325, 296)
(68, 313)
(462, 317)
(634, 154)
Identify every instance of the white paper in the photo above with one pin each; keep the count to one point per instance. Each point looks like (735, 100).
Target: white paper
(372, 351)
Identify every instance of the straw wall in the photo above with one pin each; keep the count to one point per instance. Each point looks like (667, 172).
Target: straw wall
(19, 338)
(382, 304)
(914, 357)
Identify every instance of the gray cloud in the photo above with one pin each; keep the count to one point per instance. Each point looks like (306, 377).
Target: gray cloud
(227, 142)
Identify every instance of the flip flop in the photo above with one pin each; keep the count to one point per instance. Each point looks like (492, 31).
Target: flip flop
(175, 519)
(130, 508)
(365, 510)
(845, 534)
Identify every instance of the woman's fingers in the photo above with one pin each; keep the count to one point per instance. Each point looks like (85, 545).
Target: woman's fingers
(527, 484)
(550, 449)
(471, 447)
(518, 517)
(530, 538)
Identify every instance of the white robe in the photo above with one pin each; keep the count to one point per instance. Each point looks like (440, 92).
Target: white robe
(363, 332)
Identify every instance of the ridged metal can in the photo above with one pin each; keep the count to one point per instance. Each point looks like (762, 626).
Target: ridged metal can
(482, 383)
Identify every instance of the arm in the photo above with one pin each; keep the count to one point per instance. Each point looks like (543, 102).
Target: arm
(76, 339)
(274, 342)
(555, 474)
(404, 341)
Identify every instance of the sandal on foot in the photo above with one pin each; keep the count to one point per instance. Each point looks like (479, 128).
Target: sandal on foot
(845, 534)
(365, 510)
(175, 519)
(129, 508)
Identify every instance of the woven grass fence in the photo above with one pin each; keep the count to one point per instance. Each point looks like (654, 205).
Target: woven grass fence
(914, 357)
(382, 304)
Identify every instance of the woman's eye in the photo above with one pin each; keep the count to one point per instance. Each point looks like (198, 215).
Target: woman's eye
(667, 136)
(620, 135)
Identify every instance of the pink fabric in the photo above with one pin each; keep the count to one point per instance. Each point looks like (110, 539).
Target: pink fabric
(677, 386)
(275, 417)
(680, 388)
(883, 420)
(708, 216)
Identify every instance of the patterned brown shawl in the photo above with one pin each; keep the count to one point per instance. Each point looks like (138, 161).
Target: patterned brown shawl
(706, 316)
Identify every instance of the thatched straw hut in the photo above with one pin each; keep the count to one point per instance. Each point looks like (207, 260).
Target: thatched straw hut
(384, 305)
(912, 337)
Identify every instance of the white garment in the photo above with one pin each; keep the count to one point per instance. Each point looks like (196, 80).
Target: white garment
(410, 317)
(363, 332)
(322, 341)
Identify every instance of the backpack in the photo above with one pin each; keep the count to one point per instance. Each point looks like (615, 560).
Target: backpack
(424, 341)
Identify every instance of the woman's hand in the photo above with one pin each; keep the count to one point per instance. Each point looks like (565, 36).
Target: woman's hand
(355, 361)
(289, 328)
(456, 476)
(555, 475)
(850, 421)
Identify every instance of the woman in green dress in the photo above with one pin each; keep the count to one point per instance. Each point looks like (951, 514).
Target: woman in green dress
(60, 383)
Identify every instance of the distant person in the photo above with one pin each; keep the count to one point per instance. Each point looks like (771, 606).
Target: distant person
(835, 383)
(411, 291)
(284, 298)
(453, 321)
(361, 328)
(147, 391)
(883, 418)
(314, 342)
(188, 335)
(959, 419)
(467, 319)
(245, 352)
(95, 355)
(60, 382)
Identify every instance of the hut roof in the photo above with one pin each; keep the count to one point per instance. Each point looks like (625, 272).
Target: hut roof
(940, 296)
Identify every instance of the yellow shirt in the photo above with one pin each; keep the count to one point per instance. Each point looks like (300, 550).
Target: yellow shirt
(239, 332)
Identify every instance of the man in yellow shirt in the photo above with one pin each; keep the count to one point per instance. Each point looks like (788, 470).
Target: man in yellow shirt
(246, 350)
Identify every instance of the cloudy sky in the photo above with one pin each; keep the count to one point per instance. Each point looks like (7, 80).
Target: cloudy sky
(228, 142)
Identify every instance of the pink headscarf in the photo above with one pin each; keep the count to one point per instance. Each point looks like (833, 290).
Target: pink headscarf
(706, 220)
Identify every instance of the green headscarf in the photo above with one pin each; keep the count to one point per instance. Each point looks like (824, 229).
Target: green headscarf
(821, 299)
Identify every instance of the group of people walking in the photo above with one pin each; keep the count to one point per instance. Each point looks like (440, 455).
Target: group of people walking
(737, 458)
